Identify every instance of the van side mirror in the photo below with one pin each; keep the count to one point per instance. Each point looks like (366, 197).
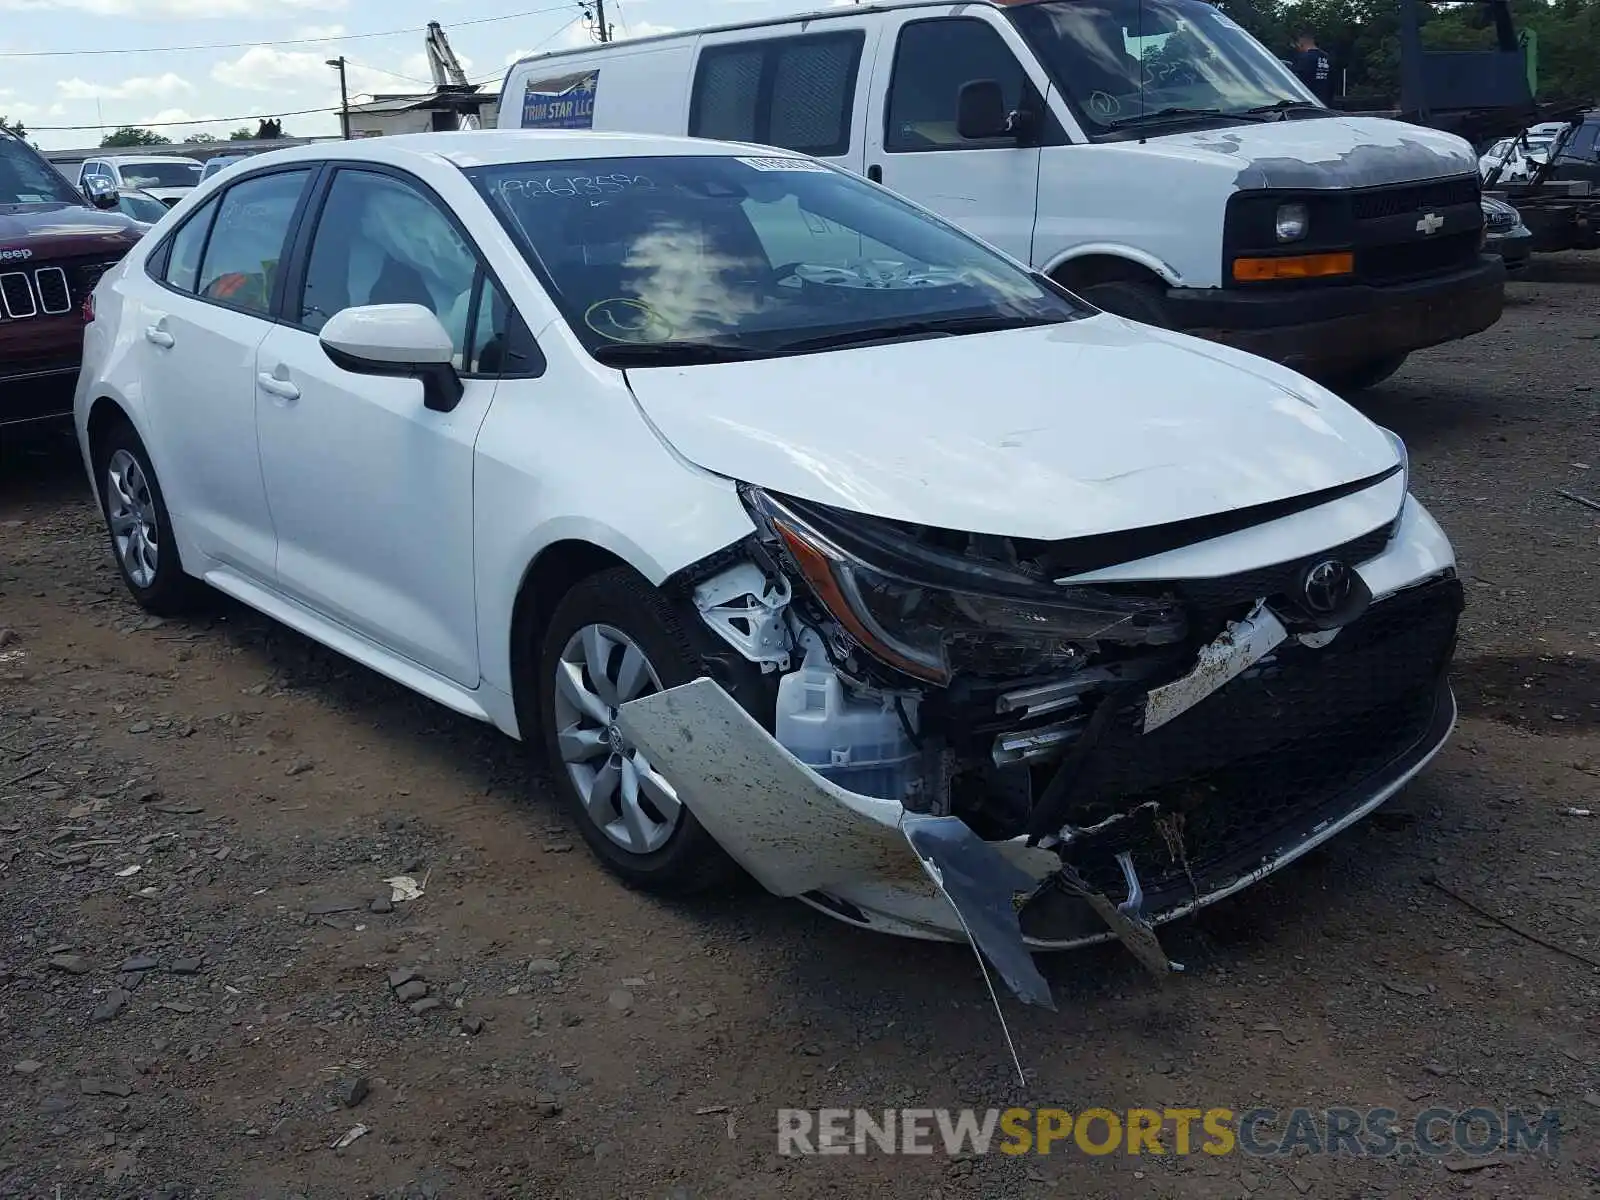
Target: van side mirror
(404, 340)
(981, 111)
(101, 192)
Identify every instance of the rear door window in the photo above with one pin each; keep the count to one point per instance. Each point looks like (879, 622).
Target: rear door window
(240, 263)
(794, 92)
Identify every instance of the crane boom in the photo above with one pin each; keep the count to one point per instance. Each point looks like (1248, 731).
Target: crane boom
(446, 68)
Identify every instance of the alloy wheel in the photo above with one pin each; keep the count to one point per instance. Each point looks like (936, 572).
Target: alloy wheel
(601, 669)
(131, 512)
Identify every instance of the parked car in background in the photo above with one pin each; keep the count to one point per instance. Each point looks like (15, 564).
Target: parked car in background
(808, 532)
(221, 163)
(1579, 158)
(54, 244)
(141, 206)
(1516, 158)
(1505, 234)
(1150, 155)
(167, 177)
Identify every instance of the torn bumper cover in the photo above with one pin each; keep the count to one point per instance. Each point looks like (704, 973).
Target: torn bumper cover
(1178, 805)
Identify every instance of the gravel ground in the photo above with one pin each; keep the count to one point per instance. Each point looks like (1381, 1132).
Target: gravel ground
(204, 985)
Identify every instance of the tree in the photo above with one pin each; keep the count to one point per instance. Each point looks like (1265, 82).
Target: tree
(242, 134)
(13, 127)
(200, 139)
(132, 135)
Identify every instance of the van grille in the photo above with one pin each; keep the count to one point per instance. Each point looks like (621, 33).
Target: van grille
(1392, 202)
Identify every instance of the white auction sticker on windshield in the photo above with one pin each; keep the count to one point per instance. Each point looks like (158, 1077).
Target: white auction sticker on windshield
(782, 164)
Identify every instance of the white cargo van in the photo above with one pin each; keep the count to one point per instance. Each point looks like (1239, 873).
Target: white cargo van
(1148, 154)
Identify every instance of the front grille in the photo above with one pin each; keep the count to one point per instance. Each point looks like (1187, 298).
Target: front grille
(1223, 592)
(16, 294)
(1272, 749)
(1393, 201)
(1400, 261)
(52, 290)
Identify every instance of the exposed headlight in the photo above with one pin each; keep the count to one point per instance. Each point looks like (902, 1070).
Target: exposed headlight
(1292, 223)
(931, 613)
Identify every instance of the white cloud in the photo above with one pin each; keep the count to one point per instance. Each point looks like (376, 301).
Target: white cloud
(639, 29)
(268, 69)
(145, 9)
(147, 87)
(319, 31)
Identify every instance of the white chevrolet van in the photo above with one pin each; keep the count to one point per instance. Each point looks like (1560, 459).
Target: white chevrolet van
(1149, 154)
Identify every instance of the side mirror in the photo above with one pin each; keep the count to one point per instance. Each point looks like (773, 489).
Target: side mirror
(397, 340)
(101, 193)
(981, 111)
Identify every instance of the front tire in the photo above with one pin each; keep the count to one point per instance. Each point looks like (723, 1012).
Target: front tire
(1129, 298)
(611, 639)
(142, 539)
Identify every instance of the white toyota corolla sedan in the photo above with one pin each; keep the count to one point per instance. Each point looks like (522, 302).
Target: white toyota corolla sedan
(801, 530)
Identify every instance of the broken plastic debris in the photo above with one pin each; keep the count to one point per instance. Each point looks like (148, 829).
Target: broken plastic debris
(129, 871)
(403, 887)
(358, 1131)
(1578, 812)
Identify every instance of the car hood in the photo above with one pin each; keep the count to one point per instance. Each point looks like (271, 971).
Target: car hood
(1319, 152)
(38, 232)
(1090, 426)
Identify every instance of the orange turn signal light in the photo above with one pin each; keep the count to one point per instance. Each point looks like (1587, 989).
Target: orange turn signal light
(1298, 266)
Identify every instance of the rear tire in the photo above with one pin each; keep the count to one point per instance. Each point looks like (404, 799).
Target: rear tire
(1355, 379)
(142, 539)
(613, 638)
(1129, 298)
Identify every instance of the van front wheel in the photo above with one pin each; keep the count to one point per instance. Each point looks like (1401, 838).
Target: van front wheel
(1137, 301)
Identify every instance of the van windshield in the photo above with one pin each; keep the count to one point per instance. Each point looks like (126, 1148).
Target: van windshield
(25, 177)
(1131, 64)
(679, 260)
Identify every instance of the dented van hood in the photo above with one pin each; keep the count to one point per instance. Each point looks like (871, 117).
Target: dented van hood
(1318, 153)
(1090, 426)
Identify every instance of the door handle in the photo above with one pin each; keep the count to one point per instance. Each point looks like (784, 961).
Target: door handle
(875, 173)
(158, 337)
(281, 388)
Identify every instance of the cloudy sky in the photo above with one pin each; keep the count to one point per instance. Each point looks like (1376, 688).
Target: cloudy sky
(72, 62)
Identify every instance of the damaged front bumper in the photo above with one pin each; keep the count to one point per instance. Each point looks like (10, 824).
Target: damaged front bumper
(1299, 746)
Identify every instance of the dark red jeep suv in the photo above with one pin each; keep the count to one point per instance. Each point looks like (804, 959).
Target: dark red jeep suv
(55, 243)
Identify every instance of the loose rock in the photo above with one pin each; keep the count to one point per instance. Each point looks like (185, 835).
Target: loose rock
(353, 1091)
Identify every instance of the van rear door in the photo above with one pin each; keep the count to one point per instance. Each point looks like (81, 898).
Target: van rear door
(989, 187)
(801, 87)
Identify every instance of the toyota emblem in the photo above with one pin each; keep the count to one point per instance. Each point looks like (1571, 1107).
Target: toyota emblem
(1326, 586)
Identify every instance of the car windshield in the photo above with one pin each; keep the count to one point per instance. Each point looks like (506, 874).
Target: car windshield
(1125, 64)
(654, 260)
(141, 208)
(25, 178)
(160, 174)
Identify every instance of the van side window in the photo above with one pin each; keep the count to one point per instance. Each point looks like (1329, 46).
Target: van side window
(794, 92)
(931, 63)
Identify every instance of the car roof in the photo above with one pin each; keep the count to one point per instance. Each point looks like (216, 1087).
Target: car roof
(492, 147)
(150, 158)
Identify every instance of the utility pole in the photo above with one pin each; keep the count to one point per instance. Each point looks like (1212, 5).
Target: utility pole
(600, 21)
(344, 97)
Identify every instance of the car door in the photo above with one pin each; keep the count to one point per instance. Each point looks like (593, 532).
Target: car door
(988, 187)
(371, 492)
(798, 89)
(205, 305)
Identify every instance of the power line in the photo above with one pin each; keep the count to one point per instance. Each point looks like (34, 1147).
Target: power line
(303, 112)
(342, 37)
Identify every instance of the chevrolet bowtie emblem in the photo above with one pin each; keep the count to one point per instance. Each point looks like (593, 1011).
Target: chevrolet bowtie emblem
(1430, 223)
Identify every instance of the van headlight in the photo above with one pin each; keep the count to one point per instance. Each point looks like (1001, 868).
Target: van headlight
(1292, 222)
(932, 612)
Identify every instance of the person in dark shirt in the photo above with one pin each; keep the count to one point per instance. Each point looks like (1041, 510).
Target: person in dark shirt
(1313, 66)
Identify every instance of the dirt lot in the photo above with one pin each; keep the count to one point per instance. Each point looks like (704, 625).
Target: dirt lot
(195, 818)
